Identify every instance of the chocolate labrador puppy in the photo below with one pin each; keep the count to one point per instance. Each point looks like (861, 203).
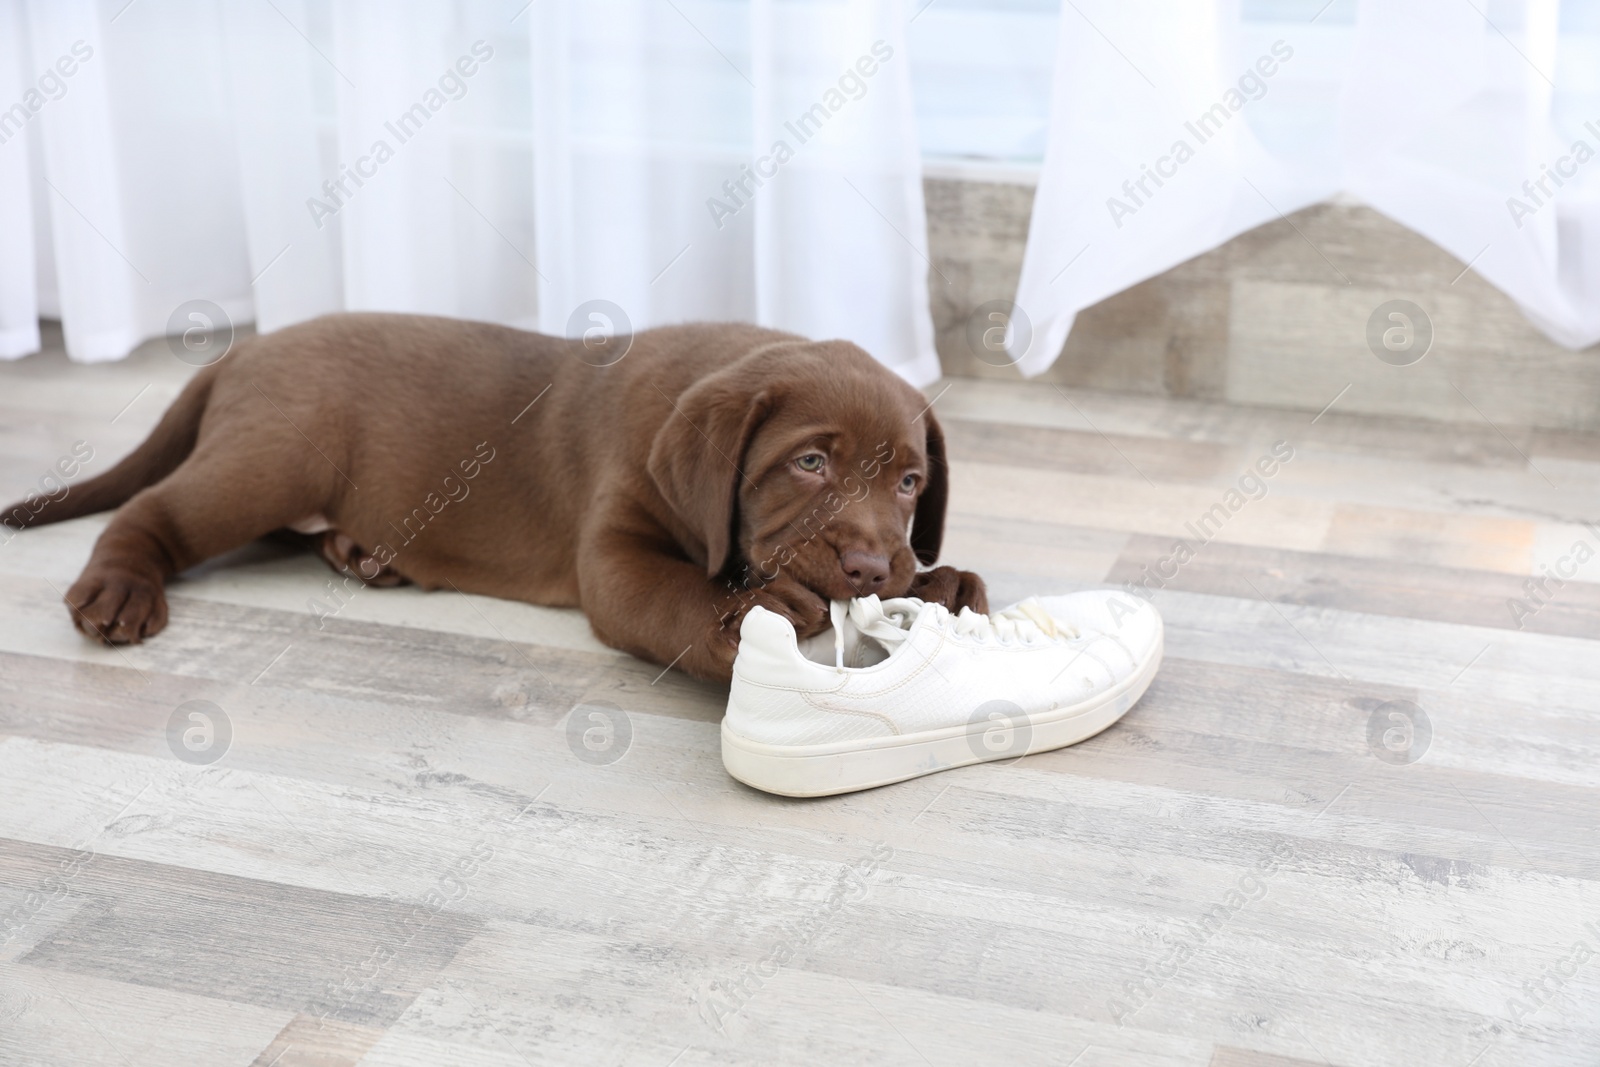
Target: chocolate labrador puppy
(664, 482)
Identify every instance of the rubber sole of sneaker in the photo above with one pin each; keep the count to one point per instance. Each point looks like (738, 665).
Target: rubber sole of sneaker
(846, 766)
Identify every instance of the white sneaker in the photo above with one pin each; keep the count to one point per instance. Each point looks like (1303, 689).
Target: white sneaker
(902, 687)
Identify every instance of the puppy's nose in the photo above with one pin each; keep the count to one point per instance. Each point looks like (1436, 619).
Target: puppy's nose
(867, 573)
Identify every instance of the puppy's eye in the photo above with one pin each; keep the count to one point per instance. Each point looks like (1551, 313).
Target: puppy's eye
(811, 462)
(908, 484)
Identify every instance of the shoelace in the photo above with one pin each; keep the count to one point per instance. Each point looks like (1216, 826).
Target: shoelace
(889, 623)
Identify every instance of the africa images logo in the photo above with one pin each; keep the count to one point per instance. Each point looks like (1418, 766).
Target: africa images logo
(1250, 86)
(451, 85)
(852, 85)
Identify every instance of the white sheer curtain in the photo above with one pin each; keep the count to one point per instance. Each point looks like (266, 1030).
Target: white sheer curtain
(780, 182)
(699, 159)
(1177, 127)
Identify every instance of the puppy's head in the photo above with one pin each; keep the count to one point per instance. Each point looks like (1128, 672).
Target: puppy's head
(808, 460)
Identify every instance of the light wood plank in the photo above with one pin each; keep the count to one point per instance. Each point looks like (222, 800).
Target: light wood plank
(51, 1017)
(1015, 905)
(1412, 589)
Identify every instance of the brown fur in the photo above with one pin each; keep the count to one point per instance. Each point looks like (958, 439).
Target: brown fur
(661, 493)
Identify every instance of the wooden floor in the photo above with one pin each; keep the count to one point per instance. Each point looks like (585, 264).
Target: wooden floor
(1353, 822)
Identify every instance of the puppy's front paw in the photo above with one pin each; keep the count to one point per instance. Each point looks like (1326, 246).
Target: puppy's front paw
(952, 588)
(806, 611)
(117, 607)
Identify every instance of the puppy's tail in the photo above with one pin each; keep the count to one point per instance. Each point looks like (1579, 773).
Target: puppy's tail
(168, 445)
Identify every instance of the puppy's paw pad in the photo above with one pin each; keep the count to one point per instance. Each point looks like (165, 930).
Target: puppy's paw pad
(119, 608)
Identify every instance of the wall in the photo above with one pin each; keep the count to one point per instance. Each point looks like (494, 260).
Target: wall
(1277, 316)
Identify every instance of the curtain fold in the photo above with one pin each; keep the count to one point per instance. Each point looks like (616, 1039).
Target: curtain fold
(19, 294)
(133, 183)
(1175, 131)
(707, 160)
(273, 85)
(554, 166)
(79, 171)
(395, 142)
(834, 118)
(1460, 143)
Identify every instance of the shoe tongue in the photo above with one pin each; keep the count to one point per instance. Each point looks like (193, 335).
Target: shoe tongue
(865, 631)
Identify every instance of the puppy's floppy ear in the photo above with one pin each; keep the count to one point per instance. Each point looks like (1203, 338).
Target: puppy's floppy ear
(697, 456)
(927, 525)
